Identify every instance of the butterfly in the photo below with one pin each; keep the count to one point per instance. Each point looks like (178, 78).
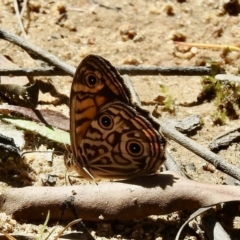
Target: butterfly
(111, 137)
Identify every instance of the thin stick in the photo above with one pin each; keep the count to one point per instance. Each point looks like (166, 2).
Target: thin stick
(75, 9)
(172, 165)
(220, 164)
(37, 51)
(227, 77)
(165, 71)
(24, 6)
(105, 6)
(19, 18)
(130, 70)
(47, 71)
(207, 45)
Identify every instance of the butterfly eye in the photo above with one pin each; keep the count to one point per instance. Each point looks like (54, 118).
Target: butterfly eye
(105, 122)
(135, 148)
(91, 80)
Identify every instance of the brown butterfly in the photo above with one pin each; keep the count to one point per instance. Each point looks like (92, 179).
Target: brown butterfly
(110, 137)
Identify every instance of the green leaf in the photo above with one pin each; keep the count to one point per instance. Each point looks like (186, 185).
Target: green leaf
(49, 132)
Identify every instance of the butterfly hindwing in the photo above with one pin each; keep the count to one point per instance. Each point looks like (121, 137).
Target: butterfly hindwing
(120, 143)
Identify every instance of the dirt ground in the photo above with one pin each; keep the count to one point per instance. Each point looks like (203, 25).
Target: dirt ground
(137, 33)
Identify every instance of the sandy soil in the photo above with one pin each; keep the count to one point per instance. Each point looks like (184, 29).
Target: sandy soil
(130, 32)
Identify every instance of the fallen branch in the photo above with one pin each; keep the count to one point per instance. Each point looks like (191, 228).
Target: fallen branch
(36, 51)
(169, 130)
(130, 70)
(47, 71)
(165, 71)
(152, 195)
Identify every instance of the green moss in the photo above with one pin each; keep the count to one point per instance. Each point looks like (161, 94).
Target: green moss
(201, 121)
(226, 97)
(219, 118)
(169, 103)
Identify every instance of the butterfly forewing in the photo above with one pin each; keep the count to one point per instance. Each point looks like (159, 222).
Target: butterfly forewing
(95, 83)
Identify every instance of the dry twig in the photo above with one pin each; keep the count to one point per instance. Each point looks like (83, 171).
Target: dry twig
(19, 18)
(130, 70)
(37, 52)
(165, 71)
(47, 71)
(168, 129)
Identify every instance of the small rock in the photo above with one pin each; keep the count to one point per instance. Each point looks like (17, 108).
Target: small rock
(190, 166)
(189, 124)
(70, 25)
(209, 167)
(131, 60)
(169, 10)
(49, 180)
(127, 31)
(154, 10)
(61, 7)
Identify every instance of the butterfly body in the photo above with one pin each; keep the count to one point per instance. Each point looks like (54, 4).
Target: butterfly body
(110, 138)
